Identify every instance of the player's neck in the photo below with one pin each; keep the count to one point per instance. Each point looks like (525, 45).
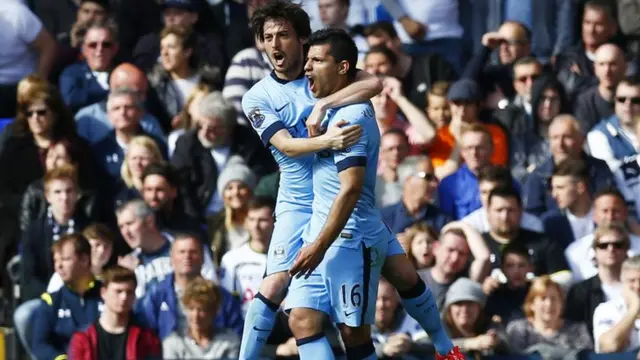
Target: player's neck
(291, 74)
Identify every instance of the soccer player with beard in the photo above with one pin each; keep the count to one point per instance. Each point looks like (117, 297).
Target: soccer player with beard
(277, 108)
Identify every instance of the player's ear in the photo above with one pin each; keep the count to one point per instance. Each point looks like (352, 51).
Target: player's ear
(343, 67)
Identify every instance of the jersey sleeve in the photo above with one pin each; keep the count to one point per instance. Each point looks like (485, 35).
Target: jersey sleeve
(261, 116)
(355, 155)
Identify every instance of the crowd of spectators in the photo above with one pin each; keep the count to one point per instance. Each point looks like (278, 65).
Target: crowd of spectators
(138, 202)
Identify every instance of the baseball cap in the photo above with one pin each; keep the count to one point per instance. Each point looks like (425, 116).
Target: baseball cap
(464, 90)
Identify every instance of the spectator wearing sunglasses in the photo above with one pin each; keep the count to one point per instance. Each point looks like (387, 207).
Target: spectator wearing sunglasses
(597, 103)
(87, 81)
(610, 244)
(416, 205)
(615, 138)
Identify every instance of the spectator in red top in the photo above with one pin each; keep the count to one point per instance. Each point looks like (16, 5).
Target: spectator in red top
(115, 335)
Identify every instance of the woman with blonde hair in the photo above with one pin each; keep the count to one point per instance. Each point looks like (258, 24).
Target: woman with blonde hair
(235, 185)
(544, 330)
(141, 151)
(185, 120)
(200, 339)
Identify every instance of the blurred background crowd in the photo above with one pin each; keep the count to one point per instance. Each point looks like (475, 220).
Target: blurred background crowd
(509, 170)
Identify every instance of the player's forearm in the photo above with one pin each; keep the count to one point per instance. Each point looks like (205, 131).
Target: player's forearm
(364, 88)
(616, 338)
(338, 216)
(293, 147)
(417, 118)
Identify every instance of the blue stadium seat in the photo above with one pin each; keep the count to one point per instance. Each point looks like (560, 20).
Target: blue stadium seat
(4, 122)
(615, 356)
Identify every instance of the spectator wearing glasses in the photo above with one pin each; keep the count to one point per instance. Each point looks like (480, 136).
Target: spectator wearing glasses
(446, 149)
(87, 82)
(597, 103)
(610, 244)
(615, 138)
(416, 203)
(614, 321)
(489, 178)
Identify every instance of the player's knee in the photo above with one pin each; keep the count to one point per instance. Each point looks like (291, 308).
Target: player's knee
(305, 322)
(399, 271)
(274, 286)
(355, 336)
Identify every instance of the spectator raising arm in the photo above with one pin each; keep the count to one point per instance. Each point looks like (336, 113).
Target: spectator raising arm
(616, 338)
(46, 47)
(480, 266)
(416, 117)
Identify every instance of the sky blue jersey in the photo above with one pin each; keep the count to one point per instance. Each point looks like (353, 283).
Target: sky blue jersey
(365, 223)
(274, 104)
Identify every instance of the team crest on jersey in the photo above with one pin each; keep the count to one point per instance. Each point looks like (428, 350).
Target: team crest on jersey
(278, 252)
(256, 117)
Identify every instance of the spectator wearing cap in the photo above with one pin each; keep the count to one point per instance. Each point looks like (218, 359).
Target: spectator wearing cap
(513, 40)
(615, 138)
(227, 228)
(445, 149)
(417, 73)
(575, 65)
(181, 13)
(597, 102)
(459, 192)
(610, 244)
(418, 195)
(566, 141)
(27, 47)
(544, 331)
(468, 325)
(160, 190)
(87, 81)
(92, 121)
(202, 153)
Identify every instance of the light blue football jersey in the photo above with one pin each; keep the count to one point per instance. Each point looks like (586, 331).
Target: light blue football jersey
(274, 104)
(365, 224)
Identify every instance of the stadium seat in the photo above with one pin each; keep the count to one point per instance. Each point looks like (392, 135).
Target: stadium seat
(4, 122)
(615, 356)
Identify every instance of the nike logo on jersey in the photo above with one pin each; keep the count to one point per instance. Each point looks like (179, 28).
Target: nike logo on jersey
(349, 314)
(283, 106)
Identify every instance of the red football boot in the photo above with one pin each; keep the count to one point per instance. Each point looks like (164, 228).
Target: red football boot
(454, 354)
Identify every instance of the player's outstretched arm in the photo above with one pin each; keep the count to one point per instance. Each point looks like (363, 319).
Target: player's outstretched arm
(338, 137)
(362, 89)
(351, 182)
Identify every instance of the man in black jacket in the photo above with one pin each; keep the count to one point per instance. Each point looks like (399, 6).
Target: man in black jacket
(202, 153)
(610, 245)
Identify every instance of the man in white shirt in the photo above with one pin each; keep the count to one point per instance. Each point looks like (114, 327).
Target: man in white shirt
(489, 178)
(570, 189)
(615, 322)
(26, 47)
(242, 269)
(608, 207)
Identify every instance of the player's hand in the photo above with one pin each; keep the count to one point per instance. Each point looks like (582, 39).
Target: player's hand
(129, 261)
(492, 39)
(307, 260)
(341, 137)
(315, 118)
(415, 29)
(288, 348)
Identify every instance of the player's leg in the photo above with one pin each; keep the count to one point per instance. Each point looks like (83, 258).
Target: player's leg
(261, 314)
(416, 297)
(354, 289)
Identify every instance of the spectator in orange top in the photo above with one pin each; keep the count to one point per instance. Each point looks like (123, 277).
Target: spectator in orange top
(464, 98)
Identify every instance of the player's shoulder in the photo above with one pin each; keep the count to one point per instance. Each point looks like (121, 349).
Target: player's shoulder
(259, 91)
(358, 112)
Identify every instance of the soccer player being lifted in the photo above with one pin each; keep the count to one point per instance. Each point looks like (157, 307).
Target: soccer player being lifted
(277, 108)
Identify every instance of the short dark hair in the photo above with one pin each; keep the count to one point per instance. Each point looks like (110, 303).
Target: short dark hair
(526, 60)
(632, 80)
(496, 174)
(163, 169)
(577, 169)
(601, 5)
(343, 48)
(101, 232)
(609, 191)
(260, 201)
(118, 274)
(80, 243)
(397, 132)
(515, 248)
(284, 10)
(505, 192)
(381, 49)
(381, 27)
